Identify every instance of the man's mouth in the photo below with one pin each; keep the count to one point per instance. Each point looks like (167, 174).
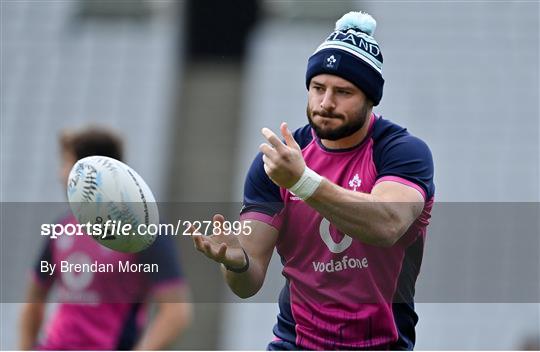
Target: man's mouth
(328, 116)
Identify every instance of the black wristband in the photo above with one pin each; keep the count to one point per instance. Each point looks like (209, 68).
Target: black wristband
(242, 269)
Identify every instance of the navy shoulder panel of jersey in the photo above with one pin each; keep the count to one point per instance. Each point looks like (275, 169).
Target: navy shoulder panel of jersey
(398, 153)
(164, 253)
(303, 136)
(260, 193)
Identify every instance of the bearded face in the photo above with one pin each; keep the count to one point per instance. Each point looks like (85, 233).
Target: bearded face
(336, 108)
(348, 124)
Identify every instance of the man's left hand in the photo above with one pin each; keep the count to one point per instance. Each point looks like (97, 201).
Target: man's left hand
(283, 162)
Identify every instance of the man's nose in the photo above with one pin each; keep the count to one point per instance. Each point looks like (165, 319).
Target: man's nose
(327, 102)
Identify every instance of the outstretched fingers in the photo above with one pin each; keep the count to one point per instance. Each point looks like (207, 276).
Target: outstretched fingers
(198, 242)
(214, 251)
(221, 251)
(203, 243)
(287, 135)
(273, 139)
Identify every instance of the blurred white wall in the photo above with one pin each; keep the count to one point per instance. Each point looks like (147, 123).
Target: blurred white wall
(61, 71)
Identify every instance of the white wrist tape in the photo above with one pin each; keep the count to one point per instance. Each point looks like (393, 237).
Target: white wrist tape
(307, 184)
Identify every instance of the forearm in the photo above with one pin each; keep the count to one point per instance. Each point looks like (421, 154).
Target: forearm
(31, 319)
(366, 217)
(379, 218)
(248, 283)
(170, 321)
(257, 244)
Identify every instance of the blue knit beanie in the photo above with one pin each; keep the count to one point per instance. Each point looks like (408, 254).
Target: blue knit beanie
(351, 53)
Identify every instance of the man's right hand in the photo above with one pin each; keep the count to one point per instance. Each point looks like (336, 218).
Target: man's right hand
(223, 248)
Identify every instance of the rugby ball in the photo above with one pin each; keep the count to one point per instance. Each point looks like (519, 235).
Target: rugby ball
(103, 190)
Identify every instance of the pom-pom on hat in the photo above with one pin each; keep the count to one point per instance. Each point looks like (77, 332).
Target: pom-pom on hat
(351, 53)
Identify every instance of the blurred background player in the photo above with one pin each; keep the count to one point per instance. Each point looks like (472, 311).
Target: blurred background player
(345, 200)
(103, 310)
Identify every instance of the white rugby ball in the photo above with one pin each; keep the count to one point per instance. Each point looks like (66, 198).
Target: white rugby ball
(100, 189)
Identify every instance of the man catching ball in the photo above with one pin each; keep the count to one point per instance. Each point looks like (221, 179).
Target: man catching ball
(345, 200)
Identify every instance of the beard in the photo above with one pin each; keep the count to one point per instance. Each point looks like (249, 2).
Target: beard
(355, 123)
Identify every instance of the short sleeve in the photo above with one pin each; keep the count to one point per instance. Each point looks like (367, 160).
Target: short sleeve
(408, 160)
(261, 195)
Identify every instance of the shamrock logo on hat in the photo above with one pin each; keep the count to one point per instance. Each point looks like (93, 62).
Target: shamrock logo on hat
(331, 61)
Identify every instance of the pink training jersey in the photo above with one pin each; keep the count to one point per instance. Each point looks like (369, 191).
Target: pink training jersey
(101, 310)
(341, 293)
